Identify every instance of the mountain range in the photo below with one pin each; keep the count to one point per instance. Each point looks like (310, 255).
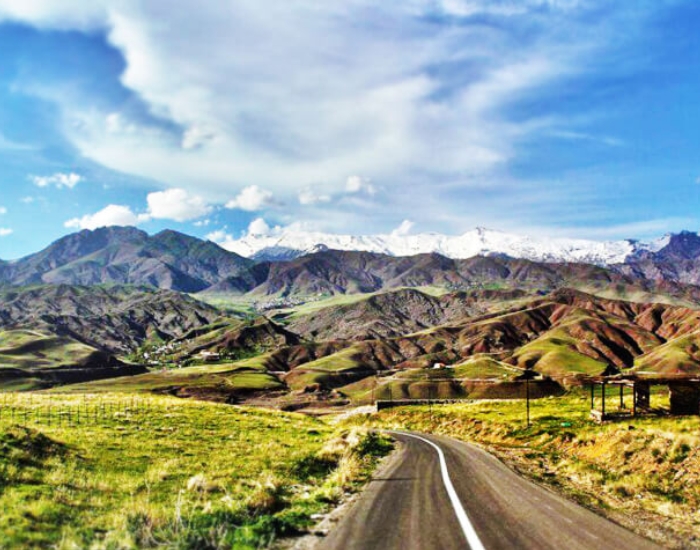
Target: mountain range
(289, 244)
(172, 260)
(387, 346)
(117, 301)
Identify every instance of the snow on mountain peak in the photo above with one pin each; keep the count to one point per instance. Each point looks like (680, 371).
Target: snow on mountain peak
(291, 243)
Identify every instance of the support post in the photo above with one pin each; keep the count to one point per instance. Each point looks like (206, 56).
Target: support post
(592, 396)
(603, 408)
(430, 401)
(527, 399)
(622, 402)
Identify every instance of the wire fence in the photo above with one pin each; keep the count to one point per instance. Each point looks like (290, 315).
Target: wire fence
(26, 408)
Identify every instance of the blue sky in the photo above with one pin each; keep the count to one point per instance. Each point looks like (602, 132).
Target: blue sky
(546, 117)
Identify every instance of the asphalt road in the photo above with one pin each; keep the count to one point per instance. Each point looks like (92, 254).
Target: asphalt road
(409, 507)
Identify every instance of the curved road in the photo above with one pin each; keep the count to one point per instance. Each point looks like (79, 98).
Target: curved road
(481, 503)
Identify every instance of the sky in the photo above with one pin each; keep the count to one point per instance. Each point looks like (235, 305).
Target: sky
(576, 118)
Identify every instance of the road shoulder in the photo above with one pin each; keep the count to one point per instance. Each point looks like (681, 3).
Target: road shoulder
(318, 533)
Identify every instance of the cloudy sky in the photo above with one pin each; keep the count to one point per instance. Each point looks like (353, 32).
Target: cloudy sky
(547, 117)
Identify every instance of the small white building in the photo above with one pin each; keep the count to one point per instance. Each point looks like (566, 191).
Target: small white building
(209, 356)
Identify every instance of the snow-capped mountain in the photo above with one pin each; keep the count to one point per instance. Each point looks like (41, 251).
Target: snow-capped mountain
(289, 244)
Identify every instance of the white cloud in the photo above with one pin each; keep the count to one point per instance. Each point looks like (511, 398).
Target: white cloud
(177, 205)
(3, 210)
(227, 112)
(27, 200)
(64, 15)
(290, 114)
(403, 229)
(468, 8)
(58, 180)
(259, 227)
(196, 136)
(172, 204)
(4, 231)
(310, 196)
(357, 184)
(202, 223)
(252, 198)
(110, 215)
(219, 236)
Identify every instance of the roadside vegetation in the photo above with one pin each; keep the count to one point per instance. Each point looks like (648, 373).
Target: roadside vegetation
(137, 471)
(643, 473)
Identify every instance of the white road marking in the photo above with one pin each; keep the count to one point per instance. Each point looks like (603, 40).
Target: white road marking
(467, 527)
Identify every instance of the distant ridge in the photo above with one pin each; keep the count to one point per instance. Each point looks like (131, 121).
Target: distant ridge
(175, 261)
(125, 255)
(291, 244)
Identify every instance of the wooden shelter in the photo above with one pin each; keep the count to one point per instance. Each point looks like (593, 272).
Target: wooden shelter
(684, 394)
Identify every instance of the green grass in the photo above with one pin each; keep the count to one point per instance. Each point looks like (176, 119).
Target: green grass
(483, 366)
(633, 294)
(248, 374)
(239, 304)
(332, 301)
(347, 299)
(680, 355)
(243, 304)
(330, 371)
(429, 383)
(556, 357)
(30, 349)
(143, 471)
(406, 384)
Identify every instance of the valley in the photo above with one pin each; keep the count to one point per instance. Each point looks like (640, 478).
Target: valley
(171, 313)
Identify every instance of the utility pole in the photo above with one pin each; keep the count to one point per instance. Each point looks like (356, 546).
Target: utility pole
(527, 399)
(430, 401)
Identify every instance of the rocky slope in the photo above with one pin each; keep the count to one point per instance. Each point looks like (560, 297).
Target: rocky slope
(679, 261)
(335, 272)
(396, 313)
(112, 319)
(498, 335)
(565, 334)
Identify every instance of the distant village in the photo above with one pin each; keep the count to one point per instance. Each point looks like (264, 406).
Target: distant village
(286, 302)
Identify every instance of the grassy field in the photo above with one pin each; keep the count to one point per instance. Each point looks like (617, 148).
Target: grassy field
(32, 349)
(247, 375)
(632, 294)
(243, 304)
(234, 303)
(136, 471)
(643, 472)
(484, 367)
